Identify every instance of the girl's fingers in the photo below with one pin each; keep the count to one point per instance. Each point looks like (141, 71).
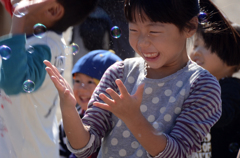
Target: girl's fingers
(106, 99)
(55, 81)
(53, 68)
(121, 87)
(113, 94)
(102, 106)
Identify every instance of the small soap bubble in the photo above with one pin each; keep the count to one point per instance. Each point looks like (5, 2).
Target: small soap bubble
(116, 32)
(75, 48)
(202, 18)
(5, 52)
(30, 49)
(60, 63)
(71, 49)
(28, 86)
(19, 10)
(234, 147)
(39, 30)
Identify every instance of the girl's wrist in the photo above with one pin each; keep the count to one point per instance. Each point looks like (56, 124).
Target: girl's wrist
(134, 120)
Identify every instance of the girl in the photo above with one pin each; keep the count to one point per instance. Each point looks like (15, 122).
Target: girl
(158, 105)
(217, 49)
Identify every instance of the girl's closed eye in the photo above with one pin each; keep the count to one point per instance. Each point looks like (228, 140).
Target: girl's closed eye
(155, 32)
(133, 30)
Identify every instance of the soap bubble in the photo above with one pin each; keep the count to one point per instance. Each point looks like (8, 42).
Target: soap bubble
(30, 49)
(21, 10)
(60, 63)
(75, 48)
(39, 30)
(28, 86)
(202, 18)
(5, 52)
(72, 49)
(116, 32)
(234, 147)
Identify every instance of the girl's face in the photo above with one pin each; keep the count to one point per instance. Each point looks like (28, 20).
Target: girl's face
(208, 60)
(83, 88)
(161, 45)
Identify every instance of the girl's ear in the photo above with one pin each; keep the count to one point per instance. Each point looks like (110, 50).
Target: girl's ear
(190, 31)
(55, 11)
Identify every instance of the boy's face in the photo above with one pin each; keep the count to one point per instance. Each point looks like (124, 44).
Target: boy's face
(37, 11)
(83, 88)
(205, 58)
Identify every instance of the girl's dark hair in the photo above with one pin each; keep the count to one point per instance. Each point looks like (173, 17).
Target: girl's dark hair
(219, 35)
(178, 12)
(75, 12)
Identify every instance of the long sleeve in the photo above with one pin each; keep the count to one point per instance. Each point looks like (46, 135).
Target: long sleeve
(22, 65)
(200, 112)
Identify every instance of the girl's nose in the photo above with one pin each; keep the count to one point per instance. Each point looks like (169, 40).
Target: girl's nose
(143, 40)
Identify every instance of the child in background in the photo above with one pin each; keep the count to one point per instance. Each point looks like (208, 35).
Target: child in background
(29, 126)
(217, 49)
(86, 73)
(158, 105)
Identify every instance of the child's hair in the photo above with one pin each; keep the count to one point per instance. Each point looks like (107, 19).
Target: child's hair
(95, 63)
(219, 35)
(75, 12)
(93, 29)
(178, 12)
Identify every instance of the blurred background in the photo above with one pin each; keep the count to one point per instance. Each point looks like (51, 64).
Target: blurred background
(112, 15)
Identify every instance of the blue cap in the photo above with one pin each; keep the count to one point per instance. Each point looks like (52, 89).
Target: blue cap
(95, 63)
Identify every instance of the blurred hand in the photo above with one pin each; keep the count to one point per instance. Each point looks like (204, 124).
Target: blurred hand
(65, 92)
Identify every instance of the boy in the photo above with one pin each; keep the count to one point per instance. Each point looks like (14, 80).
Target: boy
(28, 123)
(86, 73)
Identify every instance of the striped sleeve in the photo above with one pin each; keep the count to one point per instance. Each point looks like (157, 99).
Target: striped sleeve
(200, 112)
(99, 120)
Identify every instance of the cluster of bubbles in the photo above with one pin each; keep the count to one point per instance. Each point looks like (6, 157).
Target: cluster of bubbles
(39, 30)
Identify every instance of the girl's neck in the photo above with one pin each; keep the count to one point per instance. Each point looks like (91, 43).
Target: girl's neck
(165, 71)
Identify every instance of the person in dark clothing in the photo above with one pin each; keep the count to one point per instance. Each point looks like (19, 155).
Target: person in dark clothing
(217, 49)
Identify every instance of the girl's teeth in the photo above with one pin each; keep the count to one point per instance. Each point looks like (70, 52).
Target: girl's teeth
(150, 55)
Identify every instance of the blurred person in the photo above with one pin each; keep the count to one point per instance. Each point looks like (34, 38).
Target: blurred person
(28, 122)
(217, 49)
(115, 10)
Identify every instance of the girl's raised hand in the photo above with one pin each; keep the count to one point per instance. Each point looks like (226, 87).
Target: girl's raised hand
(64, 90)
(124, 106)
